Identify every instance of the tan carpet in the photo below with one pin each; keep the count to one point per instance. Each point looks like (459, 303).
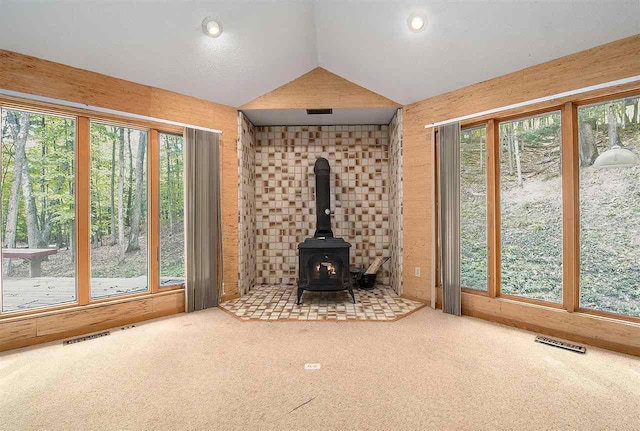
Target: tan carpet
(208, 370)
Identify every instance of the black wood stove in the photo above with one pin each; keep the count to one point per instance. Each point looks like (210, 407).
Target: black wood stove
(323, 260)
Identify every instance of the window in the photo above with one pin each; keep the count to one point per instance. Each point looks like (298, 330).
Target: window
(171, 210)
(38, 210)
(473, 209)
(531, 208)
(118, 211)
(609, 148)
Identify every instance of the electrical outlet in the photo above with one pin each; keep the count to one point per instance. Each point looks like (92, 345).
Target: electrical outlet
(417, 271)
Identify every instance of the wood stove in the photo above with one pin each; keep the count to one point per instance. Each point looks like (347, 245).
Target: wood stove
(323, 260)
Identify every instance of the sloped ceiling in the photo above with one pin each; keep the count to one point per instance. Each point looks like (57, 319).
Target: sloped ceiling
(266, 44)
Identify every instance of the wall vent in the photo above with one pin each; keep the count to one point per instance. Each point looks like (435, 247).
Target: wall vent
(86, 337)
(323, 111)
(561, 344)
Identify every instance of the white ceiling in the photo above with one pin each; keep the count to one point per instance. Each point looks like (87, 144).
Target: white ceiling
(268, 43)
(299, 117)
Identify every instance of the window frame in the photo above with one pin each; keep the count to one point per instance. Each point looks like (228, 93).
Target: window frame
(156, 215)
(498, 209)
(568, 108)
(473, 127)
(83, 119)
(59, 306)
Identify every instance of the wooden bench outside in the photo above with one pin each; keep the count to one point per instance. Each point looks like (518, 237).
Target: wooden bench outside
(35, 255)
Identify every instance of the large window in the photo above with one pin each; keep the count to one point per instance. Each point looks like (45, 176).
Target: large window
(531, 208)
(171, 210)
(473, 209)
(609, 148)
(38, 210)
(118, 211)
(90, 209)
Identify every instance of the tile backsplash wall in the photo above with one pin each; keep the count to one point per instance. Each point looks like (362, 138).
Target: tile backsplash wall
(246, 205)
(395, 204)
(285, 198)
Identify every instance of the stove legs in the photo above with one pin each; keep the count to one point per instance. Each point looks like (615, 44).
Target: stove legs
(349, 288)
(300, 291)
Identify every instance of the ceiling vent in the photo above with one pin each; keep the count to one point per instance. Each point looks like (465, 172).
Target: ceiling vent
(325, 111)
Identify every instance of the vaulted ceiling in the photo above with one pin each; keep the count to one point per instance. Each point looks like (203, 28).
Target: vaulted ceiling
(266, 44)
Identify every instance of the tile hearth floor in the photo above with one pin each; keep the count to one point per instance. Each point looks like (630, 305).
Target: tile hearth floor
(278, 302)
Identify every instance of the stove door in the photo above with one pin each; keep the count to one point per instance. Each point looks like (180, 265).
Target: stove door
(325, 270)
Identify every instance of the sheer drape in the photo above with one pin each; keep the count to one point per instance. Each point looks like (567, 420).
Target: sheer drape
(203, 220)
(449, 181)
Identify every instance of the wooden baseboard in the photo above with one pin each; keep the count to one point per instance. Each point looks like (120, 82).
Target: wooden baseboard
(56, 325)
(599, 331)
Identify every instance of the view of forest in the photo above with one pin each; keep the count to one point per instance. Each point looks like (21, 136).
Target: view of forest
(38, 210)
(118, 208)
(473, 209)
(171, 210)
(531, 208)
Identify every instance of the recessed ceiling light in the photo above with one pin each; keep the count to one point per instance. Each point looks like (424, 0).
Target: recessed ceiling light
(211, 27)
(417, 21)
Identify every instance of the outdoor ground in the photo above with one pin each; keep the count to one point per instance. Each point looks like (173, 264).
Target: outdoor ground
(110, 275)
(531, 225)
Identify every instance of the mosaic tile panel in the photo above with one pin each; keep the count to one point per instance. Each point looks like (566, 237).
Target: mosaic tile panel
(395, 202)
(278, 302)
(246, 205)
(285, 198)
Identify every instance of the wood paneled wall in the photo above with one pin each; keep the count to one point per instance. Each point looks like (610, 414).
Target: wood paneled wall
(604, 63)
(320, 89)
(613, 61)
(55, 325)
(45, 78)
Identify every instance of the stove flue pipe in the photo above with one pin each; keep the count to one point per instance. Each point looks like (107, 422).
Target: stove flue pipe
(323, 198)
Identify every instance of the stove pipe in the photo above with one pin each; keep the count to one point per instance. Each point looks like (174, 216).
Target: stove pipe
(323, 199)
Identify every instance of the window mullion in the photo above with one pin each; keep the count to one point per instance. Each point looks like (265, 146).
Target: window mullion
(83, 211)
(154, 212)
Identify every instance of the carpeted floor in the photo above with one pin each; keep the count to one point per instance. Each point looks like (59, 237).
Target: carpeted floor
(208, 370)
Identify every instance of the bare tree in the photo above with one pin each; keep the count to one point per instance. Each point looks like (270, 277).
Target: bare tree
(20, 135)
(169, 142)
(613, 125)
(112, 241)
(587, 149)
(134, 237)
(33, 231)
(517, 154)
(121, 242)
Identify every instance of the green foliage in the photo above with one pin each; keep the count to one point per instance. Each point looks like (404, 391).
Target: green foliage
(50, 164)
(49, 153)
(531, 215)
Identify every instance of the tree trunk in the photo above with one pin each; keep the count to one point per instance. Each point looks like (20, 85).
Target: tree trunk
(121, 242)
(635, 118)
(481, 151)
(112, 241)
(509, 147)
(134, 237)
(20, 140)
(613, 126)
(587, 149)
(33, 232)
(43, 199)
(169, 190)
(130, 182)
(517, 154)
